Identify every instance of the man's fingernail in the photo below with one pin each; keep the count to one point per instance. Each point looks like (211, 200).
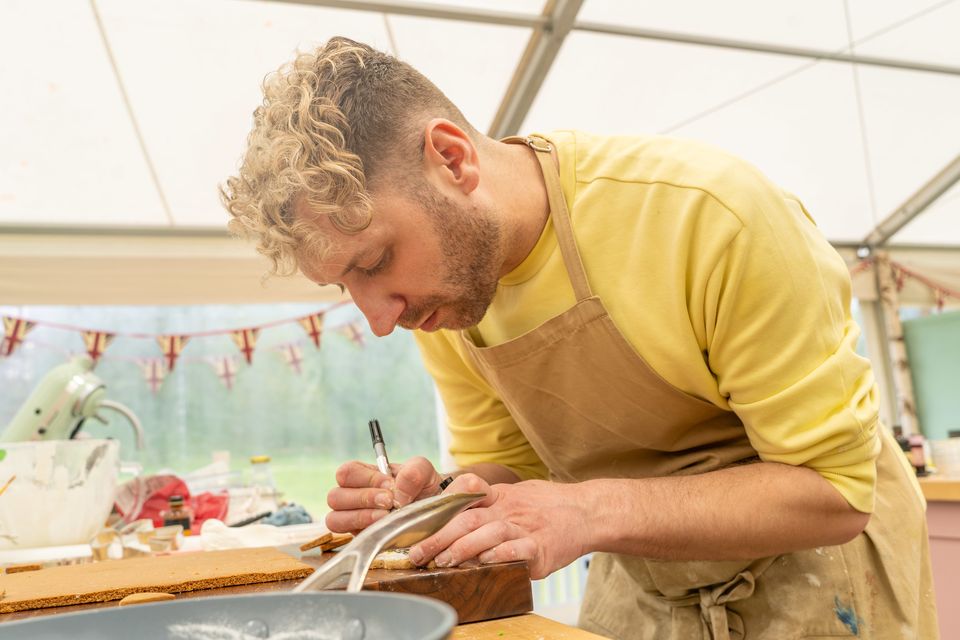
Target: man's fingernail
(416, 556)
(444, 559)
(486, 557)
(400, 499)
(384, 500)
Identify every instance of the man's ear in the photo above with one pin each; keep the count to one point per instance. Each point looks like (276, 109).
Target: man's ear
(450, 157)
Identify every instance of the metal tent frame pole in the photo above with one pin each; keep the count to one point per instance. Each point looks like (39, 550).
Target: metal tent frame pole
(535, 63)
(544, 22)
(914, 205)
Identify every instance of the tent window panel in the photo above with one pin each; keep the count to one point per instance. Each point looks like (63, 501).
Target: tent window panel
(308, 421)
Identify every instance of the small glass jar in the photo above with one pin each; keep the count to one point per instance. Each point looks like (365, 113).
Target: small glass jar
(178, 513)
(261, 475)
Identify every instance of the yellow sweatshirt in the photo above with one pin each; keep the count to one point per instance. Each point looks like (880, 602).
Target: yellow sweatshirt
(719, 280)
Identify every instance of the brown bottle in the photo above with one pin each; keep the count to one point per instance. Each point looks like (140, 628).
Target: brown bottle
(178, 513)
(917, 457)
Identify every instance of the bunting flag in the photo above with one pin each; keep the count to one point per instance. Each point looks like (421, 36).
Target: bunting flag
(14, 330)
(313, 325)
(226, 368)
(154, 372)
(354, 332)
(900, 277)
(246, 340)
(861, 266)
(940, 293)
(96, 342)
(171, 347)
(293, 355)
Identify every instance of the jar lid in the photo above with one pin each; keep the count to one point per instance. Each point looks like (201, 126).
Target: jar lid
(259, 459)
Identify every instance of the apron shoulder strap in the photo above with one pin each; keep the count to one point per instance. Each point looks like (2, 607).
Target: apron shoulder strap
(559, 213)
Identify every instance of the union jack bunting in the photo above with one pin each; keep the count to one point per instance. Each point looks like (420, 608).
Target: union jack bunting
(171, 347)
(313, 325)
(246, 340)
(14, 331)
(354, 332)
(293, 355)
(154, 371)
(226, 368)
(96, 342)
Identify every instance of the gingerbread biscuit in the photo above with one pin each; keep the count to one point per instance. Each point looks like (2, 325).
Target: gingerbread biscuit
(397, 559)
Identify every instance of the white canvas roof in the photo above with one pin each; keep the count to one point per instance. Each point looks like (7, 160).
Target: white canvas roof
(120, 117)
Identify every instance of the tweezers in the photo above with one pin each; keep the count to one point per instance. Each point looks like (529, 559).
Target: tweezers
(401, 528)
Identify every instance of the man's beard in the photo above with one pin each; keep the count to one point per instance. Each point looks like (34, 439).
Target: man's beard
(471, 242)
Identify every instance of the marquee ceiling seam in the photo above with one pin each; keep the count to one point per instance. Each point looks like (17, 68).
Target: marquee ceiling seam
(760, 47)
(130, 113)
(861, 116)
(429, 10)
(434, 10)
(800, 68)
(394, 49)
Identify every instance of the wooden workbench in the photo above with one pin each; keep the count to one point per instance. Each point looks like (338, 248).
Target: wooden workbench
(941, 489)
(525, 627)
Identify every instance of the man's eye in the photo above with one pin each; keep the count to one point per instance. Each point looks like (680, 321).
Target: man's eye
(377, 268)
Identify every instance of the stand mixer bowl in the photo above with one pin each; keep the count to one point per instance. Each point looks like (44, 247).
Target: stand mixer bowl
(57, 492)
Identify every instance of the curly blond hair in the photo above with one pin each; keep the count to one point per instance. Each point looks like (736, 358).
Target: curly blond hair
(332, 122)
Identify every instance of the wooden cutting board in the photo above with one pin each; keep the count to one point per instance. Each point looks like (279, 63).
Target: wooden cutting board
(477, 592)
(114, 579)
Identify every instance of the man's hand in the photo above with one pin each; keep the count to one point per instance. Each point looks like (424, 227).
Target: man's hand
(541, 522)
(364, 495)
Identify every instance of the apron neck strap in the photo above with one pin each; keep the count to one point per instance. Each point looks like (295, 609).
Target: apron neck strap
(559, 213)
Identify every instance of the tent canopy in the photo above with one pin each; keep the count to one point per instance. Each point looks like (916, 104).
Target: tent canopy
(123, 116)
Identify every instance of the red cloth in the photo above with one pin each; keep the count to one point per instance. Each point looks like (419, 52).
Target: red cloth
(158, 490)
(208, 505)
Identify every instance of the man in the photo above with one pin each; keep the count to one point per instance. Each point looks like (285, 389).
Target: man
(648, 322)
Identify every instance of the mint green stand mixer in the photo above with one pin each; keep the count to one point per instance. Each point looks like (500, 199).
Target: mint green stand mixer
(57, 408)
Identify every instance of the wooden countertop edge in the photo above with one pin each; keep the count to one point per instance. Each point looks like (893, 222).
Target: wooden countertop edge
(940, 489)
(529, 626)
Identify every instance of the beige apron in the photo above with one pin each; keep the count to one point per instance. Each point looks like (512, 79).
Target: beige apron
(592, 408)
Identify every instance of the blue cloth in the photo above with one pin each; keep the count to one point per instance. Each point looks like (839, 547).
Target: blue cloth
(288, 514)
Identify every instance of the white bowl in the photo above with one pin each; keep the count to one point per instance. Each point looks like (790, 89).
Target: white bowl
(62, 491)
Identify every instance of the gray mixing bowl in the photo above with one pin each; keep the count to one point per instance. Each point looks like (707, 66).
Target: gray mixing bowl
(279, 616)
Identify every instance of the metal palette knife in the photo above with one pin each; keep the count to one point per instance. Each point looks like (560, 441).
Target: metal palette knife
(401, 528)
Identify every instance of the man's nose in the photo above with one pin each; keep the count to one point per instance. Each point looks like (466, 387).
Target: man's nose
(382, 310)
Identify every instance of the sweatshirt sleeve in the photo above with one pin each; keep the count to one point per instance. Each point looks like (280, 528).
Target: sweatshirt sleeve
(782, 346)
